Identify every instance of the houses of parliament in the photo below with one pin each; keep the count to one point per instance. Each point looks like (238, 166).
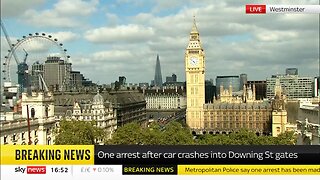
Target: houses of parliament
(231, 111)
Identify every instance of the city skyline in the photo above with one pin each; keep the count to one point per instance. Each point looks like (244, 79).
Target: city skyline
(122, 37)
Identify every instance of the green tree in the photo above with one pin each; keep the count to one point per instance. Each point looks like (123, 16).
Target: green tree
(73, 132)
(170, 134)
(175, 134)
(153, 134)
(286, 138)
(246, 137)
(131, 133)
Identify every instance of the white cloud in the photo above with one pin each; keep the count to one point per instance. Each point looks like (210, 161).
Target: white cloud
(125, 33)
(13, 8)
(276, 35)
(64, 14)
(49, 18)
(76, 7)
(112, 19)
(64, 36)
(112, 56)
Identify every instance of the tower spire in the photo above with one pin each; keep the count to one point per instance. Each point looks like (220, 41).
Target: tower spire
(194, 27)
(194, 42)
(158, 75)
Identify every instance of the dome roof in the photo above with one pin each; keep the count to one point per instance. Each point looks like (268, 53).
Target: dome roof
(98, 99)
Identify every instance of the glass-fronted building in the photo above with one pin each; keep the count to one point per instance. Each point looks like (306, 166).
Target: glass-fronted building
(226, 81)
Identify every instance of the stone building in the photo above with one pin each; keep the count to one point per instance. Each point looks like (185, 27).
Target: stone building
(165, 99)
(39, 108)
(128, 106)
(233, 112)
(309, 122)
(99, 110)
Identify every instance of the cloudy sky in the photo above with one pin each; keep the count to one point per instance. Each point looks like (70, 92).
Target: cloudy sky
(112, 38)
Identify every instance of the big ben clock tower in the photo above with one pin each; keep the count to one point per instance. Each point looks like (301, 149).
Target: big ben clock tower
(195, 79)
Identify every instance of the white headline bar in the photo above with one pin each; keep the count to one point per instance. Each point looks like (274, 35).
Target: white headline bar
(293, 9)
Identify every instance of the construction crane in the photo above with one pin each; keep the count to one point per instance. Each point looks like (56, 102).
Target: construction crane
(42, 84)
(25, 57)
(9, 42)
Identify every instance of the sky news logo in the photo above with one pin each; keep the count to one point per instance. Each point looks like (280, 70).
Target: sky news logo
(31, 170)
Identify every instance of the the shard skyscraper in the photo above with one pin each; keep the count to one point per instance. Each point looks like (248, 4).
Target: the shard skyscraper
(158, 75)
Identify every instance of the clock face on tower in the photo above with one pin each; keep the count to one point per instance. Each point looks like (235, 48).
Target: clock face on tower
(194, 61)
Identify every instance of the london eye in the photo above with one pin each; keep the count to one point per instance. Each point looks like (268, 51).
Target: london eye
(24, 60)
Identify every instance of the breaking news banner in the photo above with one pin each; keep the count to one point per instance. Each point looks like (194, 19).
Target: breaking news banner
(121, 160)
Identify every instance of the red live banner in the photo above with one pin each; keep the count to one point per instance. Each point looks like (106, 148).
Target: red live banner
(255, 9)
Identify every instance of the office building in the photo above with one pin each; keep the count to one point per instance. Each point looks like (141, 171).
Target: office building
(57, 73)
(210, 91)
(76, 80)
(36, 70)
(293, 86)
(171, 79)
(260, 88)
(226, 81)
(292, 71)
(243, 80)
(23, 76)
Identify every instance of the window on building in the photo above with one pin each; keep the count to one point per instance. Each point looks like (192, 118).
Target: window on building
(33, 113)
(22, 136)
(5, 139)
(47, 111)
(14, 137)
(244, 125)
(225, 125)
(258, 125)
(35, 132)
(206, 124)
